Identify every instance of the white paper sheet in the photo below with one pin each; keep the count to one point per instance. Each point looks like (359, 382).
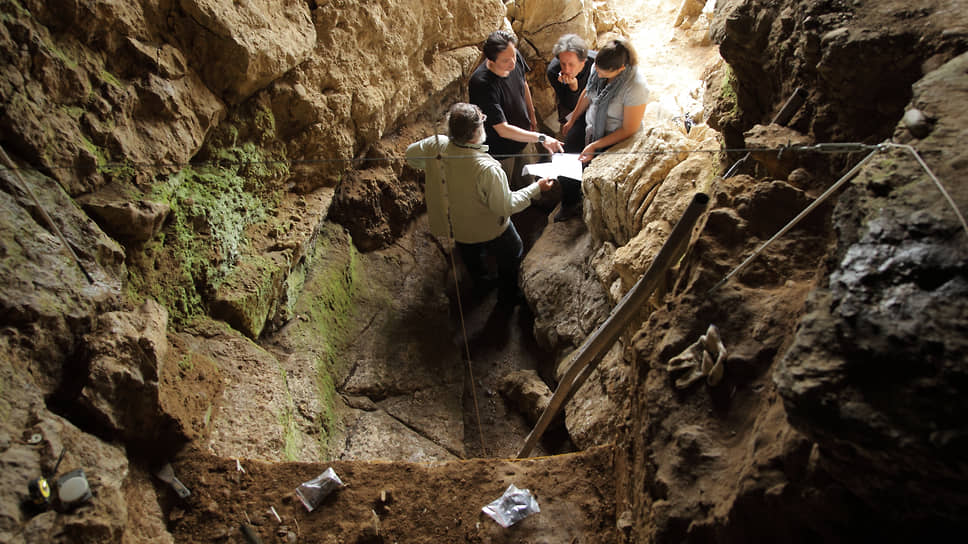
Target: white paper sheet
(562, 164)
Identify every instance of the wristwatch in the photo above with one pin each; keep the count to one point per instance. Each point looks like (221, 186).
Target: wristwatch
(541, 138)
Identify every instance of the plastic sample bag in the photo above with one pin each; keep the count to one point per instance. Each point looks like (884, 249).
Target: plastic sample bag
(513, 506)
(313, 492)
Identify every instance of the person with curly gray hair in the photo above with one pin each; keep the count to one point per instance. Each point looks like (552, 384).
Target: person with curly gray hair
(568, 75)
(468, 197)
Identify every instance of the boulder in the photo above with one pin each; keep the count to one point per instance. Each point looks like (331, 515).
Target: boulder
(132, 221)
(527, 392)
(127, 352)
(567, 298)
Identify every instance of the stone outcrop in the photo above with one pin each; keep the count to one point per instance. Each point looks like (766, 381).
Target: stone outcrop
(35, 453)
(838, 402)
(46, 299)
(634, 197)
(240, 48)
(126, 220)
(539, 24)
(883, 327)
(817, 46)
(373, 67)
(128, 350)
(89, 105)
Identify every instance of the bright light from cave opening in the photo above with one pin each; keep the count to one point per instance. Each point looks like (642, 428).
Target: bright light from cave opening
(672, 57)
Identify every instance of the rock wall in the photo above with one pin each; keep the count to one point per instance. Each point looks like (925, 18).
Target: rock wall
(105, 104)
(774, 47)
(834, 420)
(882, 327)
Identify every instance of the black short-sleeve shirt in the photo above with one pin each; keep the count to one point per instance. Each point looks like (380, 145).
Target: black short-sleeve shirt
(502, 99)
(565, 98)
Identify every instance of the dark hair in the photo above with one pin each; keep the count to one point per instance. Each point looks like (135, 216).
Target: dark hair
(572, 43)
(463, 122)
(497, 42)
(617, 52)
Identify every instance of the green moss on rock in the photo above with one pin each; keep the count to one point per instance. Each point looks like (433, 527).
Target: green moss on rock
(203, 240)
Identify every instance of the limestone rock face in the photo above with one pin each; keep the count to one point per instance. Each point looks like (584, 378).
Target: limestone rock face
(538, 24)
(818, 47)
(128, 350)
(131, 221)
(542, 22)
(44, 295)
(634, 197)
(240, 47)
(372, 67)
(375, 67)
(117, 92)
(888, 325)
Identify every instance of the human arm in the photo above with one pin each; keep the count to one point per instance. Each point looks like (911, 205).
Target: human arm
(631, 120)
(580, 109)
(511, 132)
(500, 199)
(419, 152)
(530, 103)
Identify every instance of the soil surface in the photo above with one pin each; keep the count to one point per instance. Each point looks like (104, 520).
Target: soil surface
(401, 502)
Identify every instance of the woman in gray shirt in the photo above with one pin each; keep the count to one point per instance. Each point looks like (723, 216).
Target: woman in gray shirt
(614, 100)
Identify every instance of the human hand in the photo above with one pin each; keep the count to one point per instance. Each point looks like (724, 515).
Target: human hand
(567, 126)
(571, 81)
(553, 145)
(588, 153)
(545, 184)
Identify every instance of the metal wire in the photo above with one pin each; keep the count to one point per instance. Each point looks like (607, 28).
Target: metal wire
(844, 148)
(823, 148)
(445, 193)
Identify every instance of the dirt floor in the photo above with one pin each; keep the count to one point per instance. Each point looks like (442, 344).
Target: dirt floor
(500, 341)
(400, 502)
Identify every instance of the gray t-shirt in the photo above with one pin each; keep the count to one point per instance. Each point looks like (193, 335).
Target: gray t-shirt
(634, 93)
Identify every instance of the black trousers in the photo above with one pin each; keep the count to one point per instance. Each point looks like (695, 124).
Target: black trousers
(507, 249)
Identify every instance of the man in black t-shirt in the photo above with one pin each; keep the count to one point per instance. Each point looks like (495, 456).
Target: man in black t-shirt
(499, 88)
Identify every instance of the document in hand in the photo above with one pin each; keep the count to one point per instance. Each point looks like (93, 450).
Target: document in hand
(562, 164)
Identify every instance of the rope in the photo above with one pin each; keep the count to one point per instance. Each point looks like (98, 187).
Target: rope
(43, 212)
(822, 148)
(460, 307)
(843, 148)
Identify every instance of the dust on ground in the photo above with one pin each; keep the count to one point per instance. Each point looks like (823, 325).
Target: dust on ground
(400, 502)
